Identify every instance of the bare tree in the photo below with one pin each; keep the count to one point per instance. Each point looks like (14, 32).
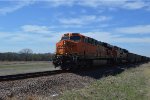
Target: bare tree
(26, 51)
(26, 54)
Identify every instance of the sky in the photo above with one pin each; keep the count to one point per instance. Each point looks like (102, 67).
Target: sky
(39, 24)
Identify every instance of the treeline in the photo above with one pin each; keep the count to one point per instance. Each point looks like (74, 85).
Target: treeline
(25, 55)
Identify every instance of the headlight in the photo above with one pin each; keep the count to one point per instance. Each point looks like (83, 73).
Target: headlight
(64, 42)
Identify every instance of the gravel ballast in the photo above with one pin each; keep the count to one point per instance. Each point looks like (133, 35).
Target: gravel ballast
(45, 87)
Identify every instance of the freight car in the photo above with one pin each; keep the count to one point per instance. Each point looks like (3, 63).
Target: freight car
(75, 51)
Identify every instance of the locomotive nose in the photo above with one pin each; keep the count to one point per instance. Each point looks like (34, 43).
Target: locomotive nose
(66, 47)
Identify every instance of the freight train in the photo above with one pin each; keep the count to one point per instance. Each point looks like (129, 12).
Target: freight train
(76, 51)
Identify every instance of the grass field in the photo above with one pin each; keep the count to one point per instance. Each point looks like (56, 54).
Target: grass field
(22, 64)
(132, 84)
(8, 68)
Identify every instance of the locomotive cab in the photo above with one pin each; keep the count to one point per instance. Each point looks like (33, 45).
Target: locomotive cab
(68, 44)
(67, 50)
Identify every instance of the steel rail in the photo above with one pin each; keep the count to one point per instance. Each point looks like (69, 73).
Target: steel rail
(30, 75)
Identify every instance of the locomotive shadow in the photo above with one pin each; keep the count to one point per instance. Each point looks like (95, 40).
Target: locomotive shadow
(98, 72)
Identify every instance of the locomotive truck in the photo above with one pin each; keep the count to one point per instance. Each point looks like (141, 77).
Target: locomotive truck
(76, 51)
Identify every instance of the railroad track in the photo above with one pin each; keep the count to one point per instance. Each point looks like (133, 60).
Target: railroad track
(46, 73)
(30, 75)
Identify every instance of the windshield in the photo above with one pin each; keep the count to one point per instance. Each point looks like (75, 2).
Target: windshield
(74, 38)
(65, 38)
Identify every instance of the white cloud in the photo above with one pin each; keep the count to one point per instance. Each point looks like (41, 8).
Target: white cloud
(100, 4)
(56, 3)
(26, 35)
(71, 21)
(116, 38)
(125, 4)
(109, 4)
(16, 6)
(14, 36)
(135, 5)
(36, 29)
(101, 36)
(122, 34)
(133, 40)
(139, 29)
(89, 3)
(83, 20)
(5, 35)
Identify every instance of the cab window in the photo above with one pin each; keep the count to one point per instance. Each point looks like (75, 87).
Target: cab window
(65, 38)
(75, 38)
(86, 40)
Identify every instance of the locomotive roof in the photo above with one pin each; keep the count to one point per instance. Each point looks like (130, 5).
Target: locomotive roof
(98, 42)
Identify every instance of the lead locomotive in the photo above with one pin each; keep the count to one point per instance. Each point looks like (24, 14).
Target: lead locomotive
(75, 50)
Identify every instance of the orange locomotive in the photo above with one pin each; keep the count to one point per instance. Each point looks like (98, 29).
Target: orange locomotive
(75, 50)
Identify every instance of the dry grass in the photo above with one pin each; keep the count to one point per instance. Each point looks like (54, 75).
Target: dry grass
(23, 63)
(18, 67)
(132, 84)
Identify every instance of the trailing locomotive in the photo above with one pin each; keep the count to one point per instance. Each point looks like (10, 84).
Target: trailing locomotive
(75, 50)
